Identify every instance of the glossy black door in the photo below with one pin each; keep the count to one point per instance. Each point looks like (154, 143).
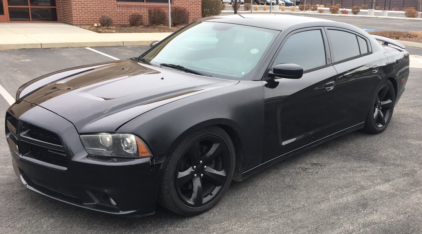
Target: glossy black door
(358, 75)
(298, 112)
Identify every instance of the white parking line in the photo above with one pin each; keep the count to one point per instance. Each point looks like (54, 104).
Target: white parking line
(6, 95)
(98, 52)
(419, 60)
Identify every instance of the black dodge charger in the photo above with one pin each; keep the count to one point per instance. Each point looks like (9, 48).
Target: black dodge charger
(219, 100)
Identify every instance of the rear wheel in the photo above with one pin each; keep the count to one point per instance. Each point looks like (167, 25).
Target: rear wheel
(199, 172)
(382, 109)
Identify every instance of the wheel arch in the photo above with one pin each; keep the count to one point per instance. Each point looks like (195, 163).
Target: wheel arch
(394, 82)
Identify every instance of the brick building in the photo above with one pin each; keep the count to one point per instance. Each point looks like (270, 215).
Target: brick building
(87, 12)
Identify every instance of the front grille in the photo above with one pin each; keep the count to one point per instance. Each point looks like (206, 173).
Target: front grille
(40, 134)
(11, 124)
(47, 155)
(35, 142)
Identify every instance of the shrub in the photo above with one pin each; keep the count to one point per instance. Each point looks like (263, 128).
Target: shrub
(223, 6)
(301, 7)
(321, 6)
(283, 8)
(307, 7)
(378, 8)
(396, 35)
(364, 7)
(106, 21)
(247, 6)
(328, 5)
(355, 10)
(334, 9)
(339, 5)
(395, 9)
(411, 13)
(344, 12)
(314, 7)
(256, 8)
(135, 19)
(265, 7)
(211, 7)
(293, 8)
(157, 16)
(179, 15)
(320, 10)
(238, 5)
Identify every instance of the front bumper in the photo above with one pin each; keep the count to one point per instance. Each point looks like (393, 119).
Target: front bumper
(113, 187)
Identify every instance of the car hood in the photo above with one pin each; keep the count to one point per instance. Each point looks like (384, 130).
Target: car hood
(105, 96)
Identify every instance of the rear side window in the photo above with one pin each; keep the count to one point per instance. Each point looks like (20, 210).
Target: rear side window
(363, 45)
(305, 49)
(344, 45)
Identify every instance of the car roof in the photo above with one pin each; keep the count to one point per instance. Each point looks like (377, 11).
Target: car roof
(278, 22)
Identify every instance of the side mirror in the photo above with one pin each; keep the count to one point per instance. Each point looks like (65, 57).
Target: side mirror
(154, 43)
(287, 70)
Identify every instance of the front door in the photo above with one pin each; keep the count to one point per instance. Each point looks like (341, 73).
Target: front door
(3, 11)
(299, 112)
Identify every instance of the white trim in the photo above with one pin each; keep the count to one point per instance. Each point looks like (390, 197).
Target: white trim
(98, 52)
(6, 95)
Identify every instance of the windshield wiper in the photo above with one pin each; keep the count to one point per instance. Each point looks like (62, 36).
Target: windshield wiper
(182, 68)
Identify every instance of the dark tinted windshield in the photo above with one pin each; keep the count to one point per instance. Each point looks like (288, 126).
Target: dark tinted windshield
(216, 49)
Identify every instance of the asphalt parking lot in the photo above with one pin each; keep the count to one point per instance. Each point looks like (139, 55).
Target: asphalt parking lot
(358, 183)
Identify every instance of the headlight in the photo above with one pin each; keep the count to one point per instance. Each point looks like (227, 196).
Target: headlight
(115, 145)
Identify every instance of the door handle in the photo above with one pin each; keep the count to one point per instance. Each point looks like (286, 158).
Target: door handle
(330, 85)
(374, 69)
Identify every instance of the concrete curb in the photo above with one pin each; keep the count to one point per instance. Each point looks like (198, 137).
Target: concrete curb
(411, 44)
(20, 46)
(52, 45)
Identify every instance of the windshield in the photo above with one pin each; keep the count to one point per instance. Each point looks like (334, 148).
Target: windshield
(214, 49)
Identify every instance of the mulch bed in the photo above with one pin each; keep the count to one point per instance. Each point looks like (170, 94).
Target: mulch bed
(137, 29)
(399, 35)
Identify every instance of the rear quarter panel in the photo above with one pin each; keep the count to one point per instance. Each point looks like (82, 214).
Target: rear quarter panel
(397, 68)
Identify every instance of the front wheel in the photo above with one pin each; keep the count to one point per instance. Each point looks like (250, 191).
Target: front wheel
(198, 173)
(382, 109)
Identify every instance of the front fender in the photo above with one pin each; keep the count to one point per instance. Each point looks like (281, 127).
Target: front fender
(239, 107)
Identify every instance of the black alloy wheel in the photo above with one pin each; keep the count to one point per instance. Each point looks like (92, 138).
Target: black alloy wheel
(382, 109)
(383, 106)
(198, 173)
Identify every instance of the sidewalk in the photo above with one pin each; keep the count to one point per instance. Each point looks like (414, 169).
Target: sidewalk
(57, 35)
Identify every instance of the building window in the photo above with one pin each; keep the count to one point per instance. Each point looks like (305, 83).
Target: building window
(32, 10)
(148, 1)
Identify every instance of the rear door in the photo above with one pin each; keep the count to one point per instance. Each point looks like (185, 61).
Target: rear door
(359, 72)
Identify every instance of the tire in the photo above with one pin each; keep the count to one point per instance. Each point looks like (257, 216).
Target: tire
(381, 112)
(204, 163)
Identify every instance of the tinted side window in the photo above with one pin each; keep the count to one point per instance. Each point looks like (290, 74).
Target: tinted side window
(344, 45)
(305, 49)
(363, 45)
